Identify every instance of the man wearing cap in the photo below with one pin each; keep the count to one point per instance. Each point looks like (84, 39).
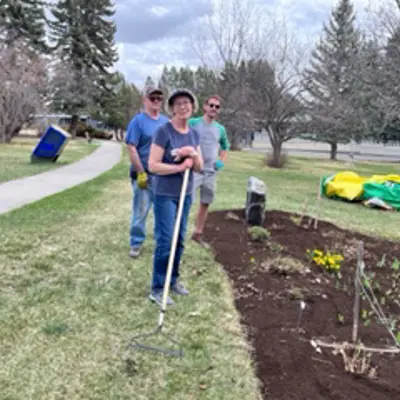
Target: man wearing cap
(214, 147)
(138, 140)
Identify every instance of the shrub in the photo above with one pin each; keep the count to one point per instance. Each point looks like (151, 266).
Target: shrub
(93, 132)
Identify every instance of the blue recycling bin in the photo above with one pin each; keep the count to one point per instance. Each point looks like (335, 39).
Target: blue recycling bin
(51, 144)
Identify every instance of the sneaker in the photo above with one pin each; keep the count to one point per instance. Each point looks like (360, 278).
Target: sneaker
(134, 252)
(157, 297)
(197, 237)
(178, 288)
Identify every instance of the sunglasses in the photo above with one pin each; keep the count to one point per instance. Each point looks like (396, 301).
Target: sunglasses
(216, 106)
(153, 99)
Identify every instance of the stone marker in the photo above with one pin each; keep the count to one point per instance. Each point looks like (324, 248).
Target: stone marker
(255, 201)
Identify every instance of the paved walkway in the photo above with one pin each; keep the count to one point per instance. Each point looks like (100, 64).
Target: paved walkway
(19, 192)
(307, 148)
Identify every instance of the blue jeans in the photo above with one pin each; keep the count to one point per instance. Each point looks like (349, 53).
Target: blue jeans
(165, 212)
(142, 200)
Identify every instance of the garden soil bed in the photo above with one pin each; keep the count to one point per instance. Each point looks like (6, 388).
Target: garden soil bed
(270, 281)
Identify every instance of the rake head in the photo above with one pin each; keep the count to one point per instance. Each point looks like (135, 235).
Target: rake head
(139, 342)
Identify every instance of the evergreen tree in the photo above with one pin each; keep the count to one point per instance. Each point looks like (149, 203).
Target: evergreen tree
(84, 32)
(331, 81)
(202, 81)
(186, 78)
(119, 105)
(205, 84)
(83, 35)
(23, 19)
(389, 84)
(164, 81)
(149, 81)
(174, 78)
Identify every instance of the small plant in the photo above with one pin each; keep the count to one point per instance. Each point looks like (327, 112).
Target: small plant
(372, 285)
(297, 293)
(340, 318)
(275, 247)
(259, 234)
(330, 262)
(295, 219)
(366, 317)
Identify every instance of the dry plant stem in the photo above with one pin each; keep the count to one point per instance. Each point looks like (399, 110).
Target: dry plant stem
(310, 220)
(356, 308)
(304, 210)
(358, 363)
(390, 350)
(317, 205)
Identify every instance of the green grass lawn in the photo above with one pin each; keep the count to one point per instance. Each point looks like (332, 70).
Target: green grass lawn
(71, 298)
(15, 157)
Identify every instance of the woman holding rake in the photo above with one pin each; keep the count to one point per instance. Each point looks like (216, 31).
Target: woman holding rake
(174, 150)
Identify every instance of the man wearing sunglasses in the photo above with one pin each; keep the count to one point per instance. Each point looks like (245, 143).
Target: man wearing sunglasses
(214, 147)
(138, 140)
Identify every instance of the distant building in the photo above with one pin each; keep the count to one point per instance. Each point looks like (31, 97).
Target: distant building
(63, 119)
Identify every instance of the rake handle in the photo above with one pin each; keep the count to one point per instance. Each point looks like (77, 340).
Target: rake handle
(173, 246)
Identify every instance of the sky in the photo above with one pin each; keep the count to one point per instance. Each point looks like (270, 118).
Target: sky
(154, 33)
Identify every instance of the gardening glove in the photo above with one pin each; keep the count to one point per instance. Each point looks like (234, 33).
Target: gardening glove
(142, 180)
(219, 165)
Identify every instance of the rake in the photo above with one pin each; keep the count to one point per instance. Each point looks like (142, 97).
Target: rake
(138, 340)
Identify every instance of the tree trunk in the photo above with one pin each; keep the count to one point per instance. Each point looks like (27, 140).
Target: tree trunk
(334, 147)
(276, 161)
(73, 127)
(235, 142)
(10, 134)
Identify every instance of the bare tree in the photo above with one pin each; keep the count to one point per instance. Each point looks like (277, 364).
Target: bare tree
(24, 84)
(276, 104)
(230, 34)
(382, 20)
(233, 40)
(222, 42)
(71, 91)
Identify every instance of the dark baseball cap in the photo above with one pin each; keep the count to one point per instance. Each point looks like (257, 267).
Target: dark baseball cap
(149, 90)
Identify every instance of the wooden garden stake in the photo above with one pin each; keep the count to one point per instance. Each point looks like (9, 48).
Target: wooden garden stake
(336, 346)
(304, 210)
(317, 205)
(356, 308)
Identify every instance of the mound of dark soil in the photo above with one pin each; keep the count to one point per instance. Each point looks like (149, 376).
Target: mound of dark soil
(271, 279)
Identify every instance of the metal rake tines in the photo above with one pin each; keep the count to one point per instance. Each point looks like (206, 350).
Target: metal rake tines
(138, 342)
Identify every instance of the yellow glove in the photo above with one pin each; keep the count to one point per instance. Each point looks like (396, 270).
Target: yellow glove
(142, 180)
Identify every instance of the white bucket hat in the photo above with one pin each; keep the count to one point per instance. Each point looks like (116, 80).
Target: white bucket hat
(182, 92)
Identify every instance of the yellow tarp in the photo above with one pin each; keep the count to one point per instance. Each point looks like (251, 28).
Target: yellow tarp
(349, 185)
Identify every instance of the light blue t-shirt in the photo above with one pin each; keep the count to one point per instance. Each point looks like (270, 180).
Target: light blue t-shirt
(140, 133)
(168, 138)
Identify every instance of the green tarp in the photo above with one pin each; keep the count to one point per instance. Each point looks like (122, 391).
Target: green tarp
(381, 191)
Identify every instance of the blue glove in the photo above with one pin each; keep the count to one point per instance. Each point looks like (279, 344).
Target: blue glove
(219, 165)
